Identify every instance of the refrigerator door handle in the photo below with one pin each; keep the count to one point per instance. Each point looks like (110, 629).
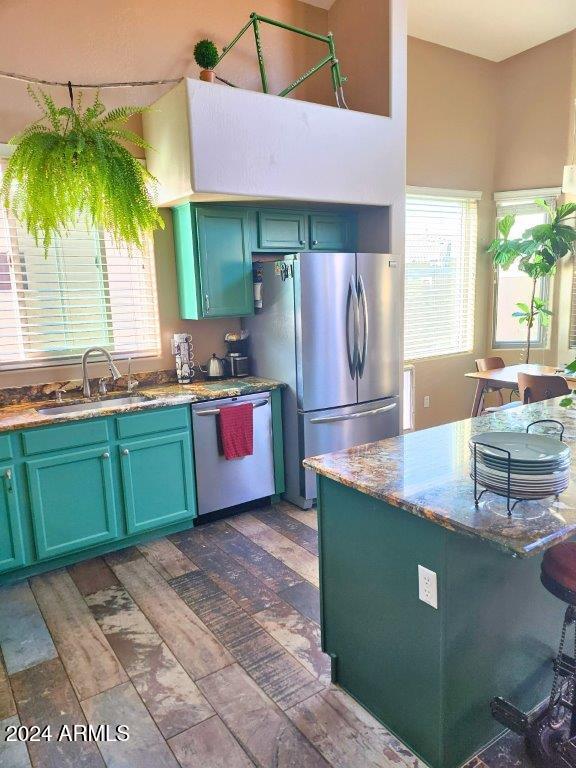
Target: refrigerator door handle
(352, 303)
(362, 301)
(373, 412)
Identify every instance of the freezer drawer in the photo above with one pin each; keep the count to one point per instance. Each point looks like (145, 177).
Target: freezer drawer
(339, 428)
(221, 483)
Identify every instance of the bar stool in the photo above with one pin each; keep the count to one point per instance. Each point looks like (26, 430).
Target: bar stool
(551, 732)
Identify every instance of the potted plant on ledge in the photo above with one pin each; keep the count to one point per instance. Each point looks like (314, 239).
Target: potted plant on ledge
(537, 253)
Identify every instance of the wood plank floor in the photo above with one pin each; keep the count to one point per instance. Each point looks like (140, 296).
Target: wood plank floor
(206, 644)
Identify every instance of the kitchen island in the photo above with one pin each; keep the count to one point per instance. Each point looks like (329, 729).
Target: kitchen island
(429, 673)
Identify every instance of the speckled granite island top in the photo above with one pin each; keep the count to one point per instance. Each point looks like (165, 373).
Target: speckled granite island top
(25, 415)
(427, 473)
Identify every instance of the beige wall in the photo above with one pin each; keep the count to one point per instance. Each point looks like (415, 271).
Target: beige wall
(361, 30)
(141, 40)
(452, 144)
(475, 124)
(145, 40)
(534, 115)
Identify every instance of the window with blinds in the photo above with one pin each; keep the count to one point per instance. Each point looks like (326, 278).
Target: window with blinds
(512, 285)
(441, 248)
(572, 330)
(89, 290)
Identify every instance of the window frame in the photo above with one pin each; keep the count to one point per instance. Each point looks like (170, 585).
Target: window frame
(15, 262)
(521, 202)
(462, 195)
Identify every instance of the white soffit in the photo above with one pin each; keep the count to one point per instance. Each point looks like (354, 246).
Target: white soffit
(492, 29)
(326, 4)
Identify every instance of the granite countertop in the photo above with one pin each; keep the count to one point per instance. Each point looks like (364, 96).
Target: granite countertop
(427, 473)
(26, 414)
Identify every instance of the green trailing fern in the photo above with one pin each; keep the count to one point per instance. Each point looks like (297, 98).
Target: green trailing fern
(70, 165)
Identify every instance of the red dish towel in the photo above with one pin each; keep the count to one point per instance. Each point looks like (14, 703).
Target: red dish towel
(236, 427)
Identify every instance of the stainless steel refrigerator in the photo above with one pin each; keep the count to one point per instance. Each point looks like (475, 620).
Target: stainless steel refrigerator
(329, 328)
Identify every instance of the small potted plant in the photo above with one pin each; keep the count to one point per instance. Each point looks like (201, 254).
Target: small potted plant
(206, 56)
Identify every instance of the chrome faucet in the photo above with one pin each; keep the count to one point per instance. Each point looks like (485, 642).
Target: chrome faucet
(113, 370)
(131, 383)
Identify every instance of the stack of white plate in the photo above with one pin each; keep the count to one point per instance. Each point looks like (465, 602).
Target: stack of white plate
(539, 465)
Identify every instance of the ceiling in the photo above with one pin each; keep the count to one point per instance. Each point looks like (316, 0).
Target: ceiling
(492, 29)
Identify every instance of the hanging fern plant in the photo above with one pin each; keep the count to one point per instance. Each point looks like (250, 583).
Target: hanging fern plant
(70, 165)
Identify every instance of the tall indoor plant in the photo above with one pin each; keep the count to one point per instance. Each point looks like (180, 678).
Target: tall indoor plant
(537, 253)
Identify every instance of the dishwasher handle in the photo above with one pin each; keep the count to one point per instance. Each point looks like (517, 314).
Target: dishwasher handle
(347, 417)
(216, 411)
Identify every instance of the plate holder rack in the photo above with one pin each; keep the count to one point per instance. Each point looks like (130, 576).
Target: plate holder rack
(508, 496)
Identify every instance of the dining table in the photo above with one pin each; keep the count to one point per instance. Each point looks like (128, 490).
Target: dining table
(507, 378)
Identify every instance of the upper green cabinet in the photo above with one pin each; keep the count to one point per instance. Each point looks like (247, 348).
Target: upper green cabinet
(214, 261)
(283, 230)
(72, 500)
(11, 546)
(214, 246)
(330, 232)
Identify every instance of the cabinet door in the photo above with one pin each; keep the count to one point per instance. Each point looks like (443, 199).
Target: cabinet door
(11, 546)
(282, 230)
(330, 232)
(225, 262)
(72, 501)
(158, 481)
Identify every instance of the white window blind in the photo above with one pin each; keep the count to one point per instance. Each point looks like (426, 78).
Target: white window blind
(572, 331)
(441, 249)
(89, 290)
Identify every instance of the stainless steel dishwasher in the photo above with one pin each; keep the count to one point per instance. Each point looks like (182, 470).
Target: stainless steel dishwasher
(221, 483)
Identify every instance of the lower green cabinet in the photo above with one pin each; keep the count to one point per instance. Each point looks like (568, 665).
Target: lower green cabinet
(158, 481)
(72, 501)
(11, 545)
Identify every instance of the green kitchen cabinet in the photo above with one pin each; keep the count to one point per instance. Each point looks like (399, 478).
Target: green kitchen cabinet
(214, 261)
(11, 544)
(72, 500)
(281, 230)
(157, 481)
(331, 232)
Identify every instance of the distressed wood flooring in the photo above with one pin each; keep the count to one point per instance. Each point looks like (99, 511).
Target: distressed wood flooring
(205, 644)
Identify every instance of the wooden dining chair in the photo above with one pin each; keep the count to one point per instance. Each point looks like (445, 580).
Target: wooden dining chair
(490, 364)
(533, 389)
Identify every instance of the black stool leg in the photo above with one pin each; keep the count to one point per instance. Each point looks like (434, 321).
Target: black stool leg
(573, 692)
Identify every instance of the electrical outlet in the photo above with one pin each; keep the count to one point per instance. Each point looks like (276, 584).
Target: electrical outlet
(426, 401)
(427, 586)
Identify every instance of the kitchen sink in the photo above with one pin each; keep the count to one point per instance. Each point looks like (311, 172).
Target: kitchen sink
(96, 405)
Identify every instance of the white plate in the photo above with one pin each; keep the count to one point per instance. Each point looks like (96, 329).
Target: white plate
(514, 490)
(516, 480)
(521, 493)
(527, 469)
(523, 447)
(502, 459)
(520, 476)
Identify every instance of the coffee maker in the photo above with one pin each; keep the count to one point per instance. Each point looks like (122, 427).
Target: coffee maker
(237, 364)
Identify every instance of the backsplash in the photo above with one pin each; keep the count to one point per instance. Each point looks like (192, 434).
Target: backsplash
(36, 392)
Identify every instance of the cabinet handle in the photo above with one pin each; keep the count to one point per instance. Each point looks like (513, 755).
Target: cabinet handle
(125, 452)
(314, 242)
(207, 302)
(301, 242)
(105, 455)
(8, 478)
